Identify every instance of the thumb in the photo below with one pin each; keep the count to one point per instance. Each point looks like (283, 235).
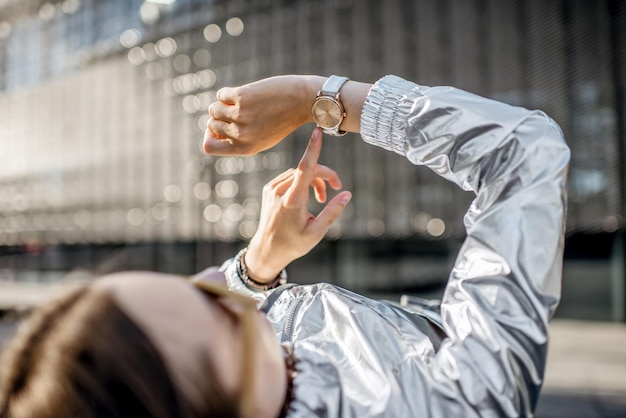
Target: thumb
(330, 213)
(216, 146)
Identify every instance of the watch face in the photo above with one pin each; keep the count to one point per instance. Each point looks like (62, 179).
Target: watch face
(327, 112)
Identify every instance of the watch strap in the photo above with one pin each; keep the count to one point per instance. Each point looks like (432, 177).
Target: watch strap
(332, 86)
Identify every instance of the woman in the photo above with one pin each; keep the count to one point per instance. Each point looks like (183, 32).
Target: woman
(143, 344)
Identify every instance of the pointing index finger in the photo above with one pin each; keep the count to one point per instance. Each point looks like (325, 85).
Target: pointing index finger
(308, 163)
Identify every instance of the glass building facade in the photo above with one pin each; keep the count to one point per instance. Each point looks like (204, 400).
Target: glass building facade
(103, 107)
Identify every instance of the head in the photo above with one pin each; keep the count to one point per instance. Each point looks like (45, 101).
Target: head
(143, 345)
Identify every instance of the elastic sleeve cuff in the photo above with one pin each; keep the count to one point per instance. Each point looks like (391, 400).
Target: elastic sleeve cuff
(234, 282)
(386, 110)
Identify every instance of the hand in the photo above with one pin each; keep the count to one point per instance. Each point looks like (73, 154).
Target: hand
(287, 230)
(252, 118)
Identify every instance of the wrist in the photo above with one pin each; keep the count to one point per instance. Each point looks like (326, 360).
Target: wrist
(353, 95)
(259, 268)
(311, 85)
(242, 272)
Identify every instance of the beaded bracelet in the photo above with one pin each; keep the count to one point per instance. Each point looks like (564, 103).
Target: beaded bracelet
(242, 272)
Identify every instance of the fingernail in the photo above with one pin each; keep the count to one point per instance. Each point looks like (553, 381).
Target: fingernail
(316, 134)
(345, 199)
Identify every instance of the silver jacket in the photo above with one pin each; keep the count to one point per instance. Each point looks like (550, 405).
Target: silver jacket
(358, 357)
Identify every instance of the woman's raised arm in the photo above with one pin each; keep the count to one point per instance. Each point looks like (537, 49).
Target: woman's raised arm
(254, 117)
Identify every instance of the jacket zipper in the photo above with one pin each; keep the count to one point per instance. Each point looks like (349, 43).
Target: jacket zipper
(291, 315)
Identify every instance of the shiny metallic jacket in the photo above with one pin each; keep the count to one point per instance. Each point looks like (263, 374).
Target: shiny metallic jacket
(359, 357)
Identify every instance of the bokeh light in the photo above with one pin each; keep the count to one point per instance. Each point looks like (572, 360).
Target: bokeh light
(47, 11)
(212, 33)
(206, 78)
(202, 190)
(149, 13)
(166, 47)
(130, 37)
(182, 63)
(136, 55)
(172, 193)
(436, 227)
(202, 58)
(70, 6)
(227, 189)
(234, 26)
(247, 229)
(212, 213)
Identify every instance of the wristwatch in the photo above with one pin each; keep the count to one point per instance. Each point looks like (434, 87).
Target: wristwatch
(328, 111)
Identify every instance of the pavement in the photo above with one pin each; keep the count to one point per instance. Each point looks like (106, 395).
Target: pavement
(586, 371)
(585, 374)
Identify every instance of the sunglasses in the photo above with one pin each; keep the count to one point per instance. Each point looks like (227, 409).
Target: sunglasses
(244, 309)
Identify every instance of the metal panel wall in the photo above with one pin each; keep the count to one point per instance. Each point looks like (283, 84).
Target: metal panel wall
(100, 126)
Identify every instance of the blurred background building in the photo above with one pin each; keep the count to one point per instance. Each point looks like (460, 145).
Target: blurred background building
(103, 107)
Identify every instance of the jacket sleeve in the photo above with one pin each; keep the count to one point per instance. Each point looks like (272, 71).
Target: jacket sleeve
(505, 284)
(236, 284)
